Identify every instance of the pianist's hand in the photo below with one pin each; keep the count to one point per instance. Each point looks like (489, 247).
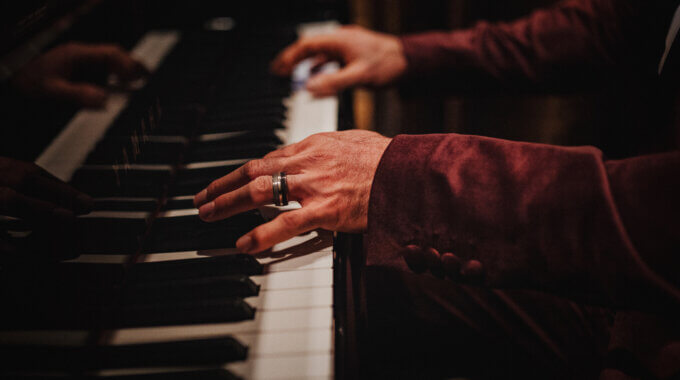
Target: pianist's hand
(68, 72)
(369, 58)
(40, 199)
(329, 174)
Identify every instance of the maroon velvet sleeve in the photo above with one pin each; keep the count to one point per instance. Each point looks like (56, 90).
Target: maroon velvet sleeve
(577, 40)
(558, 219)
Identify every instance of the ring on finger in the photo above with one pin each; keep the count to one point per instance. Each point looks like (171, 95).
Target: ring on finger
(280, 188)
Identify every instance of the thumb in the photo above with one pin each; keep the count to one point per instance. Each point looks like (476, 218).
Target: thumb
(83, 94)
(331, 83)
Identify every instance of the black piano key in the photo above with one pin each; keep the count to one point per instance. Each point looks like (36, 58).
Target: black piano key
(119, 181)
(191, 181)
(203, 352)
(196, 311)
(247, 113)
(178, 204)
(95, 287)
(217, 126)
(109, 235)
(118, 150)
(209, 374)
(246, 144)
(201, 267)
(221, 111)
(217, 153)
(175, 290)
(188, 233)
(22, 315)
(123, 204)
(96, 275)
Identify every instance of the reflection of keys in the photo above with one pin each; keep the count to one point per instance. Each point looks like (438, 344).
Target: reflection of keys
(284, 315)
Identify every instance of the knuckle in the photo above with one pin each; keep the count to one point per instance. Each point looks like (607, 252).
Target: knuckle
(251, 169)
(291, 219)
(212, 190)
(257, 237)
(259, 188)
(316, 139)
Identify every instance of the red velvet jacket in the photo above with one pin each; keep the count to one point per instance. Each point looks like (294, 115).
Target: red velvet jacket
(519, 215)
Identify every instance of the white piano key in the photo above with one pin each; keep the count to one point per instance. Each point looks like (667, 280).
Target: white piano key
(117, 214)
(314, 278)
(316, 260)
(287, 342)
(310, 366)
(220, 136)
(123, 167)
(265, 321)
(214, 164)
(282, 299)
(176, 213)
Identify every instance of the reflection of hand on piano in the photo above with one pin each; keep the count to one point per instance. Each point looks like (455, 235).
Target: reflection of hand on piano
(370, 58)
(62, 73)
(329, 174)
(41, 200)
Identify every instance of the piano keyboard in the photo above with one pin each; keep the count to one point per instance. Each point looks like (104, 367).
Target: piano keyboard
(155, 292)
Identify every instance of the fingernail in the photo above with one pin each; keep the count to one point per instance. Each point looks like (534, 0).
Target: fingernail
(206, 210)
(200, 197)
(85, 204)
(244, 244)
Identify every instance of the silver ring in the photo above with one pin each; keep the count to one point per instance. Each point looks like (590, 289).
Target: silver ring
(280, 189)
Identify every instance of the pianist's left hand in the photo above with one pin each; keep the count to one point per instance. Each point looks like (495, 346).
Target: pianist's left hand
(329, 174)
(68, 73)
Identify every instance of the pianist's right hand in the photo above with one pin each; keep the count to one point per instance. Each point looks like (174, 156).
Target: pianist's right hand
(43, 201)
(369, 58)
(69, 73)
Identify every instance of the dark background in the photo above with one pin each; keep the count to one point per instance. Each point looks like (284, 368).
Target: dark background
(618, 118)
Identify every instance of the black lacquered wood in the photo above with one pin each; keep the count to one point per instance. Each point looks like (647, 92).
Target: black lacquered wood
(202, 352)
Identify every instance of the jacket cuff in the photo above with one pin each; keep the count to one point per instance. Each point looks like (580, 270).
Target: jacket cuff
(393, 205)
(431, 52)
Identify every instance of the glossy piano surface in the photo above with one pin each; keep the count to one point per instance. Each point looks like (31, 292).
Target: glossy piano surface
(154, 291)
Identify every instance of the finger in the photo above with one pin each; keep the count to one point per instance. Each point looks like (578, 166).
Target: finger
(332, 83)
(239, 177)
(49, 188)
(18, 205)
(283, 227)
(318, 61)
(83, 94)
(327, 45)
(286, 151)
(255, 194)
(115, 59)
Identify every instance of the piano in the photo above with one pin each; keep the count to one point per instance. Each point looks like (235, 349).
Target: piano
(151, 291)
